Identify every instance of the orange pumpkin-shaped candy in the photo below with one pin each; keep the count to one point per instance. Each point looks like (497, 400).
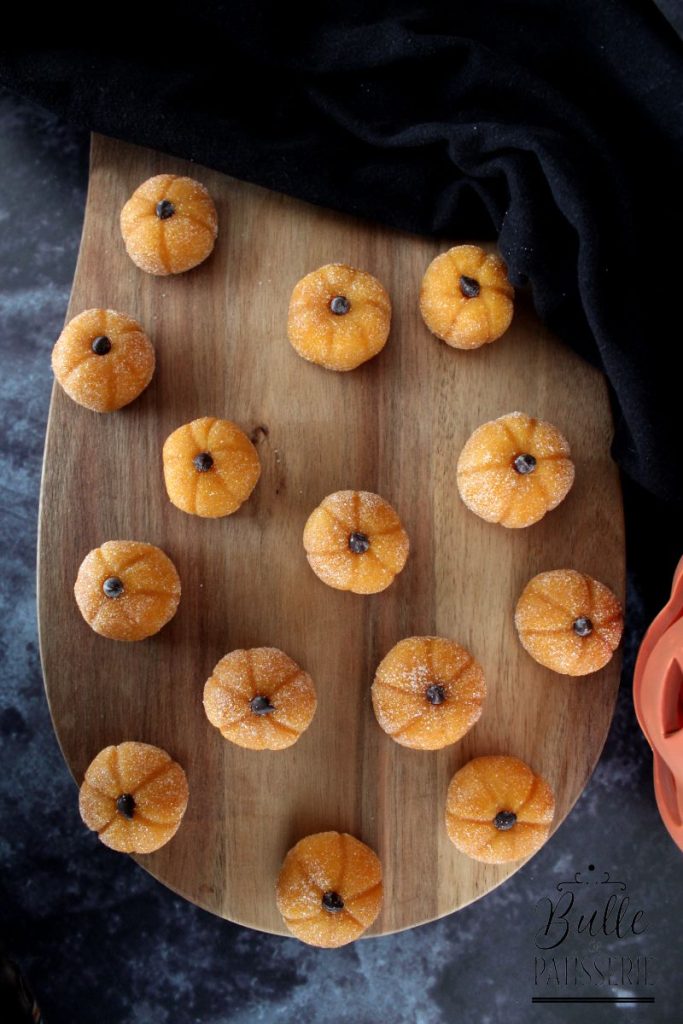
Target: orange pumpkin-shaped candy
(466, 298)
(354, 541)
(260, 699)
(210, 467)
(339, 317)
(569, 622)
(428, 692)
(134, 796)
(497, 810)
(103, 359)
(515, 469)
(169, 224)
(329, 890)
(127, 590)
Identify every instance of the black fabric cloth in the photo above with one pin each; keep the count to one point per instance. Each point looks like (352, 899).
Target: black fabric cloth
(554, 125)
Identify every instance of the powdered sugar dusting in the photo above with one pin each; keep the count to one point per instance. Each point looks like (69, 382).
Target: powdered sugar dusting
(260, 672)
(490, 485)
(483, 788)
(329, 862)
(400, 699)
(546, 611)
(151, 590)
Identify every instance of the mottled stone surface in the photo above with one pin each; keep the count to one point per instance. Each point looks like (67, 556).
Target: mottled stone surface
(98, 939)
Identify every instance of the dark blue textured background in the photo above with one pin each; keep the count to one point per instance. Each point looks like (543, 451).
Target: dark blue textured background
(98, 939)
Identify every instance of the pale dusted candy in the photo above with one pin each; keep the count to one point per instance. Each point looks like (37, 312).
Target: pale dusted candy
(428, 692)
(569, 622)
(134, 796)
(498, 810)
(260, 698)
(127, 590)
(329, 890)
(515, 469)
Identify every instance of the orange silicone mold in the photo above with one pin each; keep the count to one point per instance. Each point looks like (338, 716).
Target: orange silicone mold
(658, 700)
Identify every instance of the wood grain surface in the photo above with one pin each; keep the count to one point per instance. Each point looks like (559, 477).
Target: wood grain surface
(395, 426)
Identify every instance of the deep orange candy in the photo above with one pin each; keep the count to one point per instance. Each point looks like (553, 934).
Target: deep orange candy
(497, 810)
(428, 692)
(466, 298)
(354, 541)
(169, 224)
(339, 317)
(103, 359)
(134, 796)
(210, 467)
(329, 890)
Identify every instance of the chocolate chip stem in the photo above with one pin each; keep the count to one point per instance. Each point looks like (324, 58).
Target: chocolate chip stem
(125, 805)
(469, 286)
(101, 345)
(359, 543)
(112, 587)
(261, 705)
(333, 902)
(524, 464)
(340, 305)
(165, 209)
(203, 462)
(504, 820)
(436, 693)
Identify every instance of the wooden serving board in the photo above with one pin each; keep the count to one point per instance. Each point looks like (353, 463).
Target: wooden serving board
(394, 426)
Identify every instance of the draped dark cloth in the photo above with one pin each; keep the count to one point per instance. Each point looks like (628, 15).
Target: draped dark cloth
(555, 126)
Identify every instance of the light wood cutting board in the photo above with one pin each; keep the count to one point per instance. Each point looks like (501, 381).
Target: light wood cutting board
(394, 426)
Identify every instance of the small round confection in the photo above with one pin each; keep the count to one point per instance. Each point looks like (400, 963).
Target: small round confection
(339, 317)
(569, 622)
(103, 359)
(497, 810)
(127, 590)
(134, 796)
(169, 224)
(210, 467)
(260, 699)
(428, 692)
(329, 890)
(515, 469)
(354, 541)
(466, 298)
